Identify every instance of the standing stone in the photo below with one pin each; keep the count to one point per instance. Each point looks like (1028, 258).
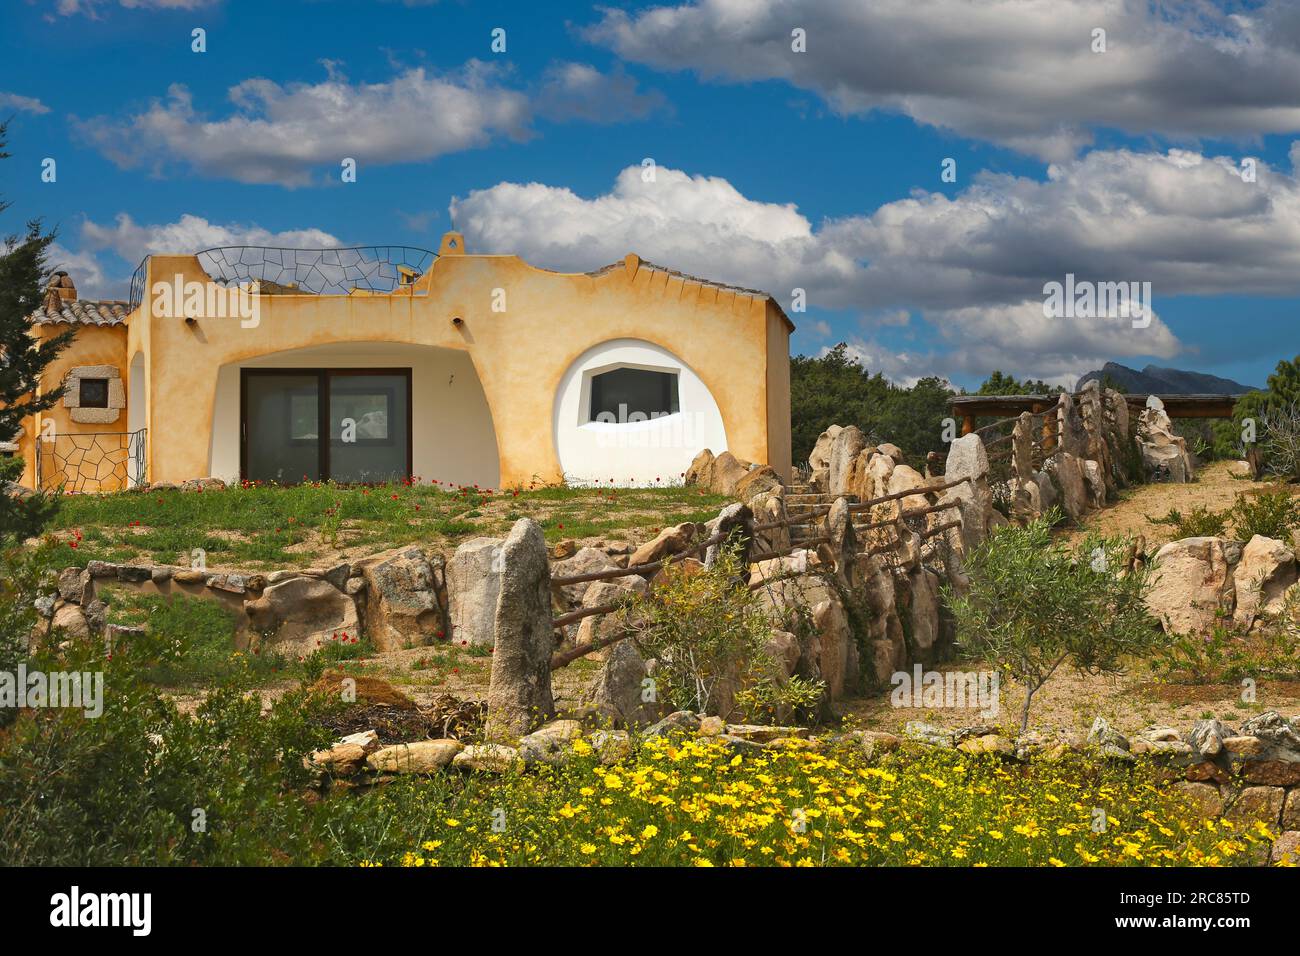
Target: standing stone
(519, 691)
(1071, 437)
(837, 658)
(844, 450)
(1117, 413)
(925, 613)
(1163, 452)
(819, 460)
(473, 586)
(767, 508)
(735, 521)
(967, 458)
(1022, 449)
(1094, 478)
(1092, 411)
(1066, 473)
(844, 542)
(880, 468)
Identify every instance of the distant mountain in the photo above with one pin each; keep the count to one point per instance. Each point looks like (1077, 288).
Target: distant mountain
(1165, 381)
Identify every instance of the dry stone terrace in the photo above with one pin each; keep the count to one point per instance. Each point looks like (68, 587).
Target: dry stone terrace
(859, 549)
(863, 535)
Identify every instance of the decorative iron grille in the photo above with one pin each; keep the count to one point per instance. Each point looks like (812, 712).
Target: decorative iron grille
(91, 461)
(317, 271)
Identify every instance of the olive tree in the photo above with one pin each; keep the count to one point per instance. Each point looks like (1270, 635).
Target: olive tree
(1034, 606)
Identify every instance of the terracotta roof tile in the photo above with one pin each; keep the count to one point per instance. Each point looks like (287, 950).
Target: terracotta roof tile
(758, 293)
(83, 312)
(708, 283)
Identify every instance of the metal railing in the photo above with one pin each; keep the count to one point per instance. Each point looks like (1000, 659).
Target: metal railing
(79, 462)
(314, 271)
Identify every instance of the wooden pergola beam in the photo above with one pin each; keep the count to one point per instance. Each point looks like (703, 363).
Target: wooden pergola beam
(970, 407)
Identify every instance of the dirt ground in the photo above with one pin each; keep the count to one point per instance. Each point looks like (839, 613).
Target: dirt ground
(1216, 488)
(1067, 705)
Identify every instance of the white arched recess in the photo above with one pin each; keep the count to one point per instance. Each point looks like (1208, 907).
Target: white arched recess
(136, 413)
(452, 436)
(657, 450)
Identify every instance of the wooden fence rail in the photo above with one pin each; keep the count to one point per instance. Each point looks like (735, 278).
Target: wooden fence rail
(922, 490)
(564, 658)
(639, 568)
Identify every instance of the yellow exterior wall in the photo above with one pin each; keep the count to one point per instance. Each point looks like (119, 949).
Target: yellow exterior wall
(737, 344)
(778, 392)
(93, 345)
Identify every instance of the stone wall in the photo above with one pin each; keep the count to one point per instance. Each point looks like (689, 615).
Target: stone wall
(397, 599)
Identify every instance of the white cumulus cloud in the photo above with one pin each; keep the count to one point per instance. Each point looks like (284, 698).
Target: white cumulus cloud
(1021, 73)
(968, 270)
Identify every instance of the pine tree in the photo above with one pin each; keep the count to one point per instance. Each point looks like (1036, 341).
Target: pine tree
(22, 361)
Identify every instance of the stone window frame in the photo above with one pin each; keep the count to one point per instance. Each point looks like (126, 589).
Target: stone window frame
(94, 415)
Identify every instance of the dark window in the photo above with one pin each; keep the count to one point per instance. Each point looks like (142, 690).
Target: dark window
(632, 395)
(93, 393)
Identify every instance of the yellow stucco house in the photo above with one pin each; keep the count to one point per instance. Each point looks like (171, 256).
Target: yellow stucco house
(381, 363)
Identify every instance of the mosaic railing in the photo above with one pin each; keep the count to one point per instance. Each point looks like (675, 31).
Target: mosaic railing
(91, 461)
(317, 271)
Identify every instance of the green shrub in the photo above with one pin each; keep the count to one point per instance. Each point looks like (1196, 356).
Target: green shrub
(145, 783)
(706, 631)
(1226, 657)
(1273, 513)
(1199, 522)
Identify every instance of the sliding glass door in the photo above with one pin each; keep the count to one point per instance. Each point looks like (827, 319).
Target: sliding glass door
(367, 416)
(281, 427)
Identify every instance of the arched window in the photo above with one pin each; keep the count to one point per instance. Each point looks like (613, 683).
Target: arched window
(633, 395)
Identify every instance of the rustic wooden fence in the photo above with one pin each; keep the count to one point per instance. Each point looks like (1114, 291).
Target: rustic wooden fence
(744, 535)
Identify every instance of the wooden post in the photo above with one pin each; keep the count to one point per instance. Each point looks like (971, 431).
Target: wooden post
(967, 424)
(1047, 430)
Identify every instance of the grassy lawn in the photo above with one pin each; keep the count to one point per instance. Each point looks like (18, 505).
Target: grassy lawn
(261, 528)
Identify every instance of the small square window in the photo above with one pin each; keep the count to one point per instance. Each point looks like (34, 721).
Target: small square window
(93, 393)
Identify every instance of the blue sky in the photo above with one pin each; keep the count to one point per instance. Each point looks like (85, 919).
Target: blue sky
(775, 168)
